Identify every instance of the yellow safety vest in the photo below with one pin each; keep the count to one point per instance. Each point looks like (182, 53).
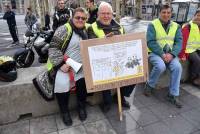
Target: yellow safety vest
(193, 42)
(100, 33)
(162, 37)
(69, 30)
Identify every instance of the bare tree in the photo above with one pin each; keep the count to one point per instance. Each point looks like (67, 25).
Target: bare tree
(138, 8)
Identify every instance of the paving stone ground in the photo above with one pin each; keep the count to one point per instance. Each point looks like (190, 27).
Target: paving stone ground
(152, 115)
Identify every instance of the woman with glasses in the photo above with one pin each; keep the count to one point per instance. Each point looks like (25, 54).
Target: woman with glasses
(66, 43)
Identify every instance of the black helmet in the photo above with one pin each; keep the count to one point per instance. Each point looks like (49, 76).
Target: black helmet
(8, 71)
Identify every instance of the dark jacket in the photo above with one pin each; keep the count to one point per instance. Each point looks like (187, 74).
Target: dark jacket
(30, 20)
(10, 17)
(47, 20)
(113, 27)
(93, 15)
(60, 17)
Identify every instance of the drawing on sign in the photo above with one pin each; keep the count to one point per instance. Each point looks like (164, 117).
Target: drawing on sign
(117, 61)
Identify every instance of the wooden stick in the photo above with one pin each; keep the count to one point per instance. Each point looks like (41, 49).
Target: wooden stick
(119, 103)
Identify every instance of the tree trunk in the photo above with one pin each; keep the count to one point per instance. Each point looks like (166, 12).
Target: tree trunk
(118, 10)
(114, 5)
(81, 3)
(138, 8)
(123, 8)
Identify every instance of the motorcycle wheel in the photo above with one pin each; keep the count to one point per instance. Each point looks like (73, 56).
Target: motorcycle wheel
(20, 59)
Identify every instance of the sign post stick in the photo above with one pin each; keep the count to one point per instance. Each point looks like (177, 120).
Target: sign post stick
(119, 103)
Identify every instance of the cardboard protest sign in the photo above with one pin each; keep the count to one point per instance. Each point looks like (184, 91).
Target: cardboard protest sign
(114, 62)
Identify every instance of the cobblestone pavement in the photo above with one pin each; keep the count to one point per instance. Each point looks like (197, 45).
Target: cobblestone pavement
(152, 115)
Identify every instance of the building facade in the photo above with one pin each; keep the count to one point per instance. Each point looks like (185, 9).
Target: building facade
(16, 5)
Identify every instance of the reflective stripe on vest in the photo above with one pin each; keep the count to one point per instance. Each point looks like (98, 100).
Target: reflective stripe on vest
(69, 30)
(193, 42)
(162, 37)
(100, 33)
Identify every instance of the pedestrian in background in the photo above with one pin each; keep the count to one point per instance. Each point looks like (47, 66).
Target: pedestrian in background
(191, 47)
(30, 18)
(61, 15)
(47, 21)
(10, 17)
(92, 9)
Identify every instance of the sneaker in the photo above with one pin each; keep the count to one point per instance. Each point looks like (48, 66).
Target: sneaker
(67, 119)
(174, 100)
(148, 91)
(16, 43)
(126, 104)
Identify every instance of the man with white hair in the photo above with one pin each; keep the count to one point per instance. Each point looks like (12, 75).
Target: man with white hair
(106, 26)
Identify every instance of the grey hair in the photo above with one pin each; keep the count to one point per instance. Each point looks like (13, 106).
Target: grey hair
(103, 4)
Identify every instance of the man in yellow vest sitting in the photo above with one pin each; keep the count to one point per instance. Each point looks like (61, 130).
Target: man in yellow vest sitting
(164, 40)
(105, 26)
(191, 47)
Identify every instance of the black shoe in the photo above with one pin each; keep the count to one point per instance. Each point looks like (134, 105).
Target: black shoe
(82, 114)
(174, 100)
(16, 43)
(105, 107)
(125, 104)
(67, 119)
(148, 91)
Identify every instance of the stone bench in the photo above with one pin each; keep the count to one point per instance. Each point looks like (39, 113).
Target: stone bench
(20, 99)
(165, 77)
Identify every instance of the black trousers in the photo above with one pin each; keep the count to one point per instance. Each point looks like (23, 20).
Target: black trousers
(194, 67)
(81, 93)
(13, 33)
(125, 91)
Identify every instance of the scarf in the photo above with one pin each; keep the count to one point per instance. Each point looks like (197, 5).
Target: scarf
(80, 31)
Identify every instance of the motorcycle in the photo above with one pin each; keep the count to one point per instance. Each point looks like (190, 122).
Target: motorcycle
(35, 41)
(8, 71)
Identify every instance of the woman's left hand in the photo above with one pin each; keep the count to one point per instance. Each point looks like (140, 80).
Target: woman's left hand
(65, 68)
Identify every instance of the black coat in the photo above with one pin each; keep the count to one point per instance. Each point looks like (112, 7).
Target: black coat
(60, 17)
(10, 17)
(47, 20)
(93, 15)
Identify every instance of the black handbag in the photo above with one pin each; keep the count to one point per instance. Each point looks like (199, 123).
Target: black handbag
(44, 83)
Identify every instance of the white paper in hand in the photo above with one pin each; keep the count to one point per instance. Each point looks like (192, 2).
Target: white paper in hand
(62, 82)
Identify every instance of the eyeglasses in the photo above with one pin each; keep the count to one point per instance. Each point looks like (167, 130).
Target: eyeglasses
(79, 17)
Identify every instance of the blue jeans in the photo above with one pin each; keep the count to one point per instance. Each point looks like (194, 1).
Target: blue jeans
(159, 66)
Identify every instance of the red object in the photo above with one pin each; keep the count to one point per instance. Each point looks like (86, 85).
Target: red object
(185, 33)
(65, 57)
(71, 76)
